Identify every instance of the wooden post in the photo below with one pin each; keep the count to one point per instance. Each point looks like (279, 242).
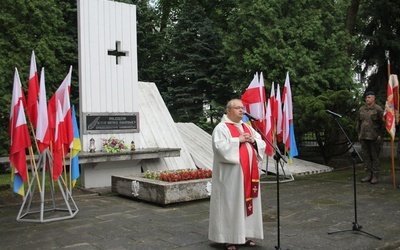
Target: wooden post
(392, 138)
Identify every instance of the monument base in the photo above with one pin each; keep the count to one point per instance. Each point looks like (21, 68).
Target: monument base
(161, 192)
(97, 167)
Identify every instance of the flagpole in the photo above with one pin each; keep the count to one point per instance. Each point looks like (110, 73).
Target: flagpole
(392, 137)
(33, 163)
(31, 154)
(51, 169)
(65, 170)
(393, 169)
(34, 136)
(27, 177)
(70, 170)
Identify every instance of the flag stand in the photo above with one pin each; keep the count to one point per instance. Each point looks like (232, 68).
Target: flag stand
(356, 227)
(286, 177)
(282, 164)
(55, 212)
(277, 157)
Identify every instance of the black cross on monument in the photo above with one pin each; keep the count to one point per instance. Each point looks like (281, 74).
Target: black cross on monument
(117, 52)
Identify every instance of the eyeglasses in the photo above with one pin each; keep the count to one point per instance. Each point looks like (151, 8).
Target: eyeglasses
(237, 107)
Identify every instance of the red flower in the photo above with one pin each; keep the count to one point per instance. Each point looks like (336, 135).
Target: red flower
(180, 175)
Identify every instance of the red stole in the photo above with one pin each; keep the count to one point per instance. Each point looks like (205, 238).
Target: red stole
(250, 171)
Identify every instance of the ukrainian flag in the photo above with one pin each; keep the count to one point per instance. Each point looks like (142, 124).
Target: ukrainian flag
(245, 119)
(76, 148)
(18, 183)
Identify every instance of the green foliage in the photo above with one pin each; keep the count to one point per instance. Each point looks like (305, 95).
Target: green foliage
(150, 42)
(312, 45)
(312, 110)
(192, 62)
(275, 37)
(378, 27)
(314, 119)
(203, 53)
(48, 28)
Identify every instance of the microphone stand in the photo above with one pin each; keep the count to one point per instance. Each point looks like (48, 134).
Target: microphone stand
(277, 157)
(356, 227)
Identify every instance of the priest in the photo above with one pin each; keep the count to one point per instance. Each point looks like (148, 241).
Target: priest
(235, 204)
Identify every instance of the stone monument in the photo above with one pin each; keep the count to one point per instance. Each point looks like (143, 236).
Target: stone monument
(113, 102)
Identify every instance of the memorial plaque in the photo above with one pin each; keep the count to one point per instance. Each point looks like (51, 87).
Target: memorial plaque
(103, 123)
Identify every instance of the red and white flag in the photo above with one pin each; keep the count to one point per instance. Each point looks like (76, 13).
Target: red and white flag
(285, 125)
(42, 129)
(390, 106)
(68, 139)
(272, 103)
(287, 115)
(262, 123)
(62, 95)
(254, 100)
(278, 111)
(33, 92)
(17, 95)
(20, 140)
(288, 127)
(269, 150)
(396, 98)
(58, 153)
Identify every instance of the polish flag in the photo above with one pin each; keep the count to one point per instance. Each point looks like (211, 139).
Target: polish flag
(272, 103)
(269, 150)
(17, 95)
(288, 126)
(262, 122)
(62, 95)
(19, 142)
(278, 111)
(42, 129)
(254, 101)
(58, 153)
(33, 92)
(285, 125)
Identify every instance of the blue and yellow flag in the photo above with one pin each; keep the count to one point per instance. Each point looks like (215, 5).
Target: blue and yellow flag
(18, 183)
(245, 119)
(76, 148)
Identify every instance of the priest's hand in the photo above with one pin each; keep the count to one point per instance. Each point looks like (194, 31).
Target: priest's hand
(246, 137)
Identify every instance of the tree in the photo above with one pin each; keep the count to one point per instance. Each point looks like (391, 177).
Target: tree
(192, 60)
(306, 38)
(42, 26)
(203, 53)
(378, 27)
(150, 42)
(351, 17)
(313, 119)
(275, 37)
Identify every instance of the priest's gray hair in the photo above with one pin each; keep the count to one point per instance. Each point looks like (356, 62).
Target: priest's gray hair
(230, 103)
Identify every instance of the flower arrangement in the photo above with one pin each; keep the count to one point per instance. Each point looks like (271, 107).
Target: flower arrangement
(178, 175)
(113, 145)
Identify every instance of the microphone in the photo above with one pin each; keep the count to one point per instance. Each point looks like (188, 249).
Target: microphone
(250, 117)
(333, 113)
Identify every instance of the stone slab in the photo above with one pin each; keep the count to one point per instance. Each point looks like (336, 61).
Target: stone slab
(160, 192)
(298, 167)
(100, 156)
(138, 154)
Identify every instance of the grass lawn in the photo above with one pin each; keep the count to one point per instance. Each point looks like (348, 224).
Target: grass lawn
(7, 196)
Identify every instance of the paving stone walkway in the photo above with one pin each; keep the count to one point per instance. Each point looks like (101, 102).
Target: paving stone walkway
(310, 207)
